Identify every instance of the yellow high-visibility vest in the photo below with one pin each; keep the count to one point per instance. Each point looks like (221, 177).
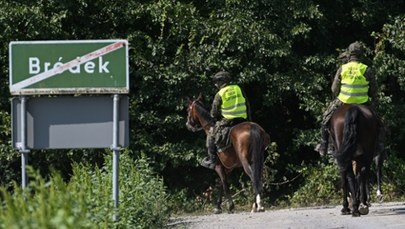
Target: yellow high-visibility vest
(233, 102)
(354, 85)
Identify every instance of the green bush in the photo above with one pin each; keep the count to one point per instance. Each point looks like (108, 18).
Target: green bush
(393, 183)
(322, 186)
(86, 200)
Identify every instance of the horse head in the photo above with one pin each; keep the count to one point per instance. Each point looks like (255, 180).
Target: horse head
(193, 118)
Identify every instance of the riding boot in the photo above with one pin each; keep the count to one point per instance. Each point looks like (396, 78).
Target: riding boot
(210, 161)
(323, 146)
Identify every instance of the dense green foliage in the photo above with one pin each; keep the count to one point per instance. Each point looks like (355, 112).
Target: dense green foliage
(283, 53)
(85, 201)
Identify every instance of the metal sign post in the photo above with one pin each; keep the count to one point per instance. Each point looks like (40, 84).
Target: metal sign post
(116, 156)
(23, 150)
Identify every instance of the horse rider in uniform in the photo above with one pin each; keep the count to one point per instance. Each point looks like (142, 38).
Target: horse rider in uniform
(229, 107)
(354, 83)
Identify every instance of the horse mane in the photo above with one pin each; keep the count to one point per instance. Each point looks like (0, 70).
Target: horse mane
(204, 112)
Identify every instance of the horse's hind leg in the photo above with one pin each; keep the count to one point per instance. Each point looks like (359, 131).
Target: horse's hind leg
(354, 190)
(248, 171)
(379, 160)
(363, 183)
(257, 206)
(345, 210)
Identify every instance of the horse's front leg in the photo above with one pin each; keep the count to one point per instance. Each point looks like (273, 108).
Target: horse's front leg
(225, 188)
(218, 208)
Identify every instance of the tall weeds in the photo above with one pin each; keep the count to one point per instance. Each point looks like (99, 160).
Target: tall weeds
(86, 200)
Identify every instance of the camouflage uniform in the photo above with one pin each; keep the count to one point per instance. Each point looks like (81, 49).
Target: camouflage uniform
(353, 53)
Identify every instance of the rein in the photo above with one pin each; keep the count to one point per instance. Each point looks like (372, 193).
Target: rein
(201, 127)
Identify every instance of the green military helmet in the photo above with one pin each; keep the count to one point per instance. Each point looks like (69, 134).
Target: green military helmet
(355, 49)
(222, 76)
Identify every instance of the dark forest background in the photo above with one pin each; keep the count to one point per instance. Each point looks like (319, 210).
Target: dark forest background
(284, 54)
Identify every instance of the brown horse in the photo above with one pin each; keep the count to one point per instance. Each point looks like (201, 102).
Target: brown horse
(354, 132)
(249, 142)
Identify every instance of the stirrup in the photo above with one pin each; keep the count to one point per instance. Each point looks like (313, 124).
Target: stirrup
(320, 149)
(330, 149)
(207, 163)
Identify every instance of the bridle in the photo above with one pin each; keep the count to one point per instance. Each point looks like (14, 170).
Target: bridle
(192, 124)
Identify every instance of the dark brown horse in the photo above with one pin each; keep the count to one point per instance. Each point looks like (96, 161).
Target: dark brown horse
(354, 132)
(249, 142)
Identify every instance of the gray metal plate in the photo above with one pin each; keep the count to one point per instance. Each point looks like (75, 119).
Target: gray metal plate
(66, 122)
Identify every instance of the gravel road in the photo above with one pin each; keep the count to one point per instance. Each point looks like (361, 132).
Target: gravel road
(381, 216)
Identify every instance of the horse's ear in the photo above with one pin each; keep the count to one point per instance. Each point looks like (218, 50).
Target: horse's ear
(200, 97)
(189, 100)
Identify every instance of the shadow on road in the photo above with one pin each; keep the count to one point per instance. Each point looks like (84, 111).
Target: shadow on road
(390, 211)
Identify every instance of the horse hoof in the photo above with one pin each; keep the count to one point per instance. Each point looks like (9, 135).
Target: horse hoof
(261, 209)
(217, 211)
(363, 209)
(380, 198)
(345, 211)
(231, 208)
(254, 208)
(356, 214)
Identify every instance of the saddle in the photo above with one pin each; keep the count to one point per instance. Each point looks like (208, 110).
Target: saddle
(222, 133)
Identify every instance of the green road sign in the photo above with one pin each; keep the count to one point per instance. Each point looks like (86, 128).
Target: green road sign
(69, 67)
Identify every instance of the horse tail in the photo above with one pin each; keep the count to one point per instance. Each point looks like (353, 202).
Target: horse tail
(349, 142)
(256, 149)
